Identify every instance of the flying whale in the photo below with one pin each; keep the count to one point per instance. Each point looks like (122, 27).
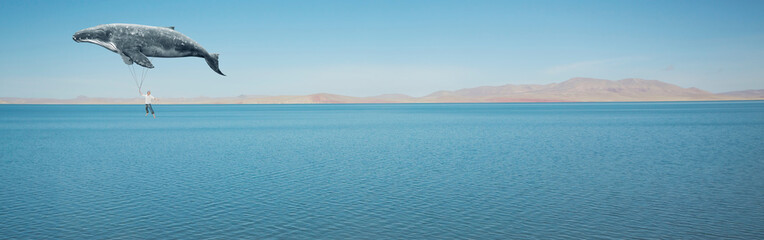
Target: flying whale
(135, 43)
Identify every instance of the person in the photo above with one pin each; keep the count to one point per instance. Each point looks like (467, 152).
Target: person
(148, 102)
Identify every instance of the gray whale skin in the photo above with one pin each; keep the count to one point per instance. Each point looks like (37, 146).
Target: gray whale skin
(137, 42)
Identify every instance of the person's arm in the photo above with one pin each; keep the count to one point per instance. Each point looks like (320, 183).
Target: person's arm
(139, 92)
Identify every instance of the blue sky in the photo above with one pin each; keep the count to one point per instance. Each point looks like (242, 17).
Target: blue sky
(365, 48)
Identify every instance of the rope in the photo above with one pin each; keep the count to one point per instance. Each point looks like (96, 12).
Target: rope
(134, 74)
(143, 76)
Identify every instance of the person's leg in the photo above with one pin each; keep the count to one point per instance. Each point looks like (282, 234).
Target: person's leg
(147, 109)
(152, 111)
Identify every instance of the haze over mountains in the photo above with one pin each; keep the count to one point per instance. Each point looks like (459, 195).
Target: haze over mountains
(746, 94)
(573, 90)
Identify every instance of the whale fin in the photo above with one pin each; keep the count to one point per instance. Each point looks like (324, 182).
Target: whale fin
(212, 60)
(138, 57)
(126, 59)
(171, 27)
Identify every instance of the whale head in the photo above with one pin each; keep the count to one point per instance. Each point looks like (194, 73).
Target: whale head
(99, 35)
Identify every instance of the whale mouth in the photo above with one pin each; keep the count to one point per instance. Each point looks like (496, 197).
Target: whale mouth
(107, 45)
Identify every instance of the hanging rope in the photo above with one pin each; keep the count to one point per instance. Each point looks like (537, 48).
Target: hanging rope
(143, 77)
(134, 74)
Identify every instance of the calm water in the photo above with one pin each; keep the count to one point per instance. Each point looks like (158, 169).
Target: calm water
(399, 171)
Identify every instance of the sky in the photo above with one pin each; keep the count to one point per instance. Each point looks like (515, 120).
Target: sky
(366, 48)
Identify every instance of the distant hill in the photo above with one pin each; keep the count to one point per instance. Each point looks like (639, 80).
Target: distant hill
(759, 94)
(573, 90)
(577, 90)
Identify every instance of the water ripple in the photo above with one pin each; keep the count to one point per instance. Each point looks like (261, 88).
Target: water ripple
(429, 171)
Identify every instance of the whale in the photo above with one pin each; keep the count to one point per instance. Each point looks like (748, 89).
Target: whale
(135, 43)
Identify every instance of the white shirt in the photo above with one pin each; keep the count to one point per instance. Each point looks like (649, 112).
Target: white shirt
(148, 98)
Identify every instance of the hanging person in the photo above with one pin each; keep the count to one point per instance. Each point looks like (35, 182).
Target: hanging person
(149, 98)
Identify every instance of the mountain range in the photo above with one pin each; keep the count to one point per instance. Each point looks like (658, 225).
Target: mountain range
(573, 90)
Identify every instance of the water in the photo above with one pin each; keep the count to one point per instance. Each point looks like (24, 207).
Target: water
(378, 171)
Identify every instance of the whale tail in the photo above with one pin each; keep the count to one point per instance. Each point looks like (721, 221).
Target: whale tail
(212, 60)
